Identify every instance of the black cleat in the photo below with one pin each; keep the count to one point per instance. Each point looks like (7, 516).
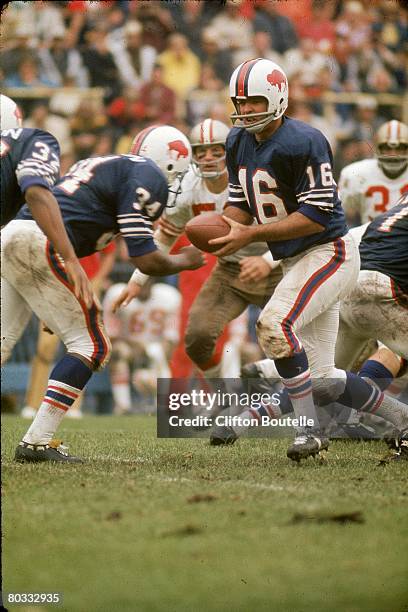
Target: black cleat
(401, 449)
(39, 453)
(222, 435)
(307, 444)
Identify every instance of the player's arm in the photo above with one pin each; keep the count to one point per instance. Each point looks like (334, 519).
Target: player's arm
(157, 263)
(295, 225)
(36, 174)
(46, 213)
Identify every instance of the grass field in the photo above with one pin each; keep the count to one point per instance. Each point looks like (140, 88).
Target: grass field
(175, 525)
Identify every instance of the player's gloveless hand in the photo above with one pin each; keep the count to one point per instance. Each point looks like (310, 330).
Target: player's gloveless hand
(253, 269)
(131, 291)
(239, 236)
(194, 258)
(82, 286)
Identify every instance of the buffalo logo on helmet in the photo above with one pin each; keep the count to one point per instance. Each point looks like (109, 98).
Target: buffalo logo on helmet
(277, 79)
(177, 149)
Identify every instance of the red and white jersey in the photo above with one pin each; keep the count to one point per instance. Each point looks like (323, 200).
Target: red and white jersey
(153, 320)
(195, 199)
(366, 190)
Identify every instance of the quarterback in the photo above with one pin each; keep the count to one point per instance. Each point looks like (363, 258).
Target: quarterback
(280, 172)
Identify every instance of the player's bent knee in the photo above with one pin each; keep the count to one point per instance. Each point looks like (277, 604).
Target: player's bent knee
(272, 339)
(199, 346)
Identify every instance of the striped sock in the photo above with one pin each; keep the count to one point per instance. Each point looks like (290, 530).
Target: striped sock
(295, 375)
(364, 397)
(66, 382)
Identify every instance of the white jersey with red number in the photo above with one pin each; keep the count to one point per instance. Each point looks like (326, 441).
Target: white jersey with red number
(153, 320)
(366, 190)
(195, 199)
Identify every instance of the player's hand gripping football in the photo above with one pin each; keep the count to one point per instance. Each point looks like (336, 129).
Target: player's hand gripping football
(238, 237)
(82, 286)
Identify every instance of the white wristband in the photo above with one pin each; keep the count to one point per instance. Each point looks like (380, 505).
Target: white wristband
(267, 256)
(138, 277)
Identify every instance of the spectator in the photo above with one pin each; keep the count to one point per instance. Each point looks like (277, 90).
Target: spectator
(201, 99)
(280, 28)
(134, 60)
(390, 27)
(61, 64)
(181, 68)
(28, 75)
(98, 59)
(86, 125)
(211, 54)
(261, 47)
(306, 61)
(232, 30)
(354, 26)
(156, 20)
(40, 19)
(158, 100)
(17, 49)
(59, 127)
(191, 19)
(319, 27)
(126, 109)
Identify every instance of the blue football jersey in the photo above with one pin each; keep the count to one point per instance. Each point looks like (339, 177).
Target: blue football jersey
(28, 157)
(384, 246)
(101, 197)
(289, 172)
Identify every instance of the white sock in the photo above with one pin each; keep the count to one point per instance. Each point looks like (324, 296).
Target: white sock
(392, 410)
(300, 393)
(45, 424)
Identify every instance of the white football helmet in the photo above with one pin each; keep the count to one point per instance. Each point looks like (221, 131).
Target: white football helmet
(166, 146)
(10, 116)
(259, 77)
(205, 134)
(391, 147)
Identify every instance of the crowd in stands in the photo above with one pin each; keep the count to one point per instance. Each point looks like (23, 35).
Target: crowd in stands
(170, 62)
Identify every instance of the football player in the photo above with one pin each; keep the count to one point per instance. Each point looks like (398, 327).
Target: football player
(238, 280)
(98, 198)
(143, 336)
(370, 187)
(29, 168)
(280, 172)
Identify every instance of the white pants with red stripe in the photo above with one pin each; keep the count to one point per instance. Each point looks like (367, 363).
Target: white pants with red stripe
(34, 280)
(304, 309)
(374, 310)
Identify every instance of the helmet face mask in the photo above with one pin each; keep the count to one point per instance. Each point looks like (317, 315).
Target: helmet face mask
(210, 134)
(11, 117)
(391, 143)
(259, 78)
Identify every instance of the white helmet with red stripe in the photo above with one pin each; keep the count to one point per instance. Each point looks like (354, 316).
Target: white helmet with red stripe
(391, 143)
(208, 133)
(10, 117)
(259, 77)
(166, 146)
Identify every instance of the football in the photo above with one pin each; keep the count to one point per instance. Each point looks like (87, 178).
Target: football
(205, 227)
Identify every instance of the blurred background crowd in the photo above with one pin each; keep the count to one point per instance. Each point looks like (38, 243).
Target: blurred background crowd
(95, 73)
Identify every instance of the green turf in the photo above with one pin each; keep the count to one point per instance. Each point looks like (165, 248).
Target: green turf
(126, 531)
